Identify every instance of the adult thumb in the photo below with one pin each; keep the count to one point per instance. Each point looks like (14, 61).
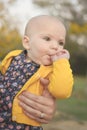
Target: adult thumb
(45, 83)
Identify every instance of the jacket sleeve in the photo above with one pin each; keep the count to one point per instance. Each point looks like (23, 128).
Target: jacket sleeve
(7, 60)
(61, 79)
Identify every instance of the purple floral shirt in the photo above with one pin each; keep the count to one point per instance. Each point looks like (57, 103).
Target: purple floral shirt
(15, 77)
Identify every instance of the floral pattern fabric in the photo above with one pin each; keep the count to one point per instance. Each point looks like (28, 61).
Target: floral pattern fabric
(15, 77)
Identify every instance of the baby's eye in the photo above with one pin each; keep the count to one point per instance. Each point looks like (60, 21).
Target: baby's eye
(47, 38)
(61, 43)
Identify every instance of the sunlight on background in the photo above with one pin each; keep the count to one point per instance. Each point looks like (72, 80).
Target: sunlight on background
(22, 11)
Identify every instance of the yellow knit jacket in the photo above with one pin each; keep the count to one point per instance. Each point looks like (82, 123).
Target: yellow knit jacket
(60, 86)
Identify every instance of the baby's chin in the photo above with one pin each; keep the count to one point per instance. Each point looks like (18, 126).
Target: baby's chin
(47, 63)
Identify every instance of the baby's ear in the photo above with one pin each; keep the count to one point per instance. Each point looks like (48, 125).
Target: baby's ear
(25, 42)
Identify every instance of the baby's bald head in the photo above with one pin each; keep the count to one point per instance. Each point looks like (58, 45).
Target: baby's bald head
(40, 22)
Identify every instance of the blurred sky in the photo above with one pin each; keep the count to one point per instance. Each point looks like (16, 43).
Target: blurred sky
(22, 11)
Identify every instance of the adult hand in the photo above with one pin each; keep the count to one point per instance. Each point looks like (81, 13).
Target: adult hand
(39, 108)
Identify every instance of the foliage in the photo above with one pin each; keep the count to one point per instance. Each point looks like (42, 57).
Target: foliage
(67, 10)
(9, 41)
(78, 29)
(10, 38)
(5, 17)
(78, 57)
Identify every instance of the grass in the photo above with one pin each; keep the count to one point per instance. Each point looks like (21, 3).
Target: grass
(76, 106)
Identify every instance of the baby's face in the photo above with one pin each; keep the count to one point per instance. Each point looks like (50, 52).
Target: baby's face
(46, 42)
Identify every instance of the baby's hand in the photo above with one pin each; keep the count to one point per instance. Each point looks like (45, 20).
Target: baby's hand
(61, 54)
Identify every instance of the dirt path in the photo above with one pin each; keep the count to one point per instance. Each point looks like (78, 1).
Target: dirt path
(66, 125)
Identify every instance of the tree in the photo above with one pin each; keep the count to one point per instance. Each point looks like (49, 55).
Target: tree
(9, 35)
(68, 10)
(5, 18)
(78, 57)
(9, 41)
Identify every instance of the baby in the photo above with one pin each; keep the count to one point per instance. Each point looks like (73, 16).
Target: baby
(44, 56)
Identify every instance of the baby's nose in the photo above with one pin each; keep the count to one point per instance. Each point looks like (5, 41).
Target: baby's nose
(54, 46)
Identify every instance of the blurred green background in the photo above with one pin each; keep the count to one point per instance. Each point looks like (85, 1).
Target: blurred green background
(76, 106)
